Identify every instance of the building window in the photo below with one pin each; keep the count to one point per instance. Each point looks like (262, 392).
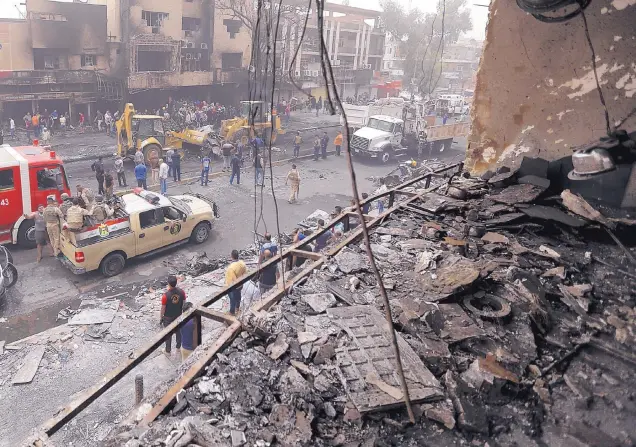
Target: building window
(51, 62)
(154, 19)
(6, 179)
(88, 60)
(232, 26)
(190, 24)
(231, 60)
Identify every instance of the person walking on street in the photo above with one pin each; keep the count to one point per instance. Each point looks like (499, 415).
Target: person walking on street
(234, 271)
(338, 142)
(176, 166)
(98, 169)
(27, 125)
(139, 157)
(81, 122)
(318, 105)
(297, 142)
(12, 128)
(316, 148)
(444, 119)
(205, 169)
(171, 308)
(40, 230)
(53, 216)
(140, 174)
(189, 334)
(163, 176)
(293, 177)
(259, 170)
(235, 163)
(268, 275)
(109, 183)
(324, 141)
(169, 154)
(227, 150)
(121, 173)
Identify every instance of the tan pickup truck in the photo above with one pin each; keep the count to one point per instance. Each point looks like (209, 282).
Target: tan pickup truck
(144, 224)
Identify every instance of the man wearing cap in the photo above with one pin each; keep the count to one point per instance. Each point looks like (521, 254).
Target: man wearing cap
(86, 195)
(52, 217)
(101, 211)
(66, 204)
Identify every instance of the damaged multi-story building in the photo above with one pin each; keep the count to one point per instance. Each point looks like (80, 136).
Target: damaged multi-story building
(93, 54)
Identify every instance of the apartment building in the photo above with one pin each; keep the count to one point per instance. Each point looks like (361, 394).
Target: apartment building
(459, 67)
(55, 58)
(393, 63)
(354, 41)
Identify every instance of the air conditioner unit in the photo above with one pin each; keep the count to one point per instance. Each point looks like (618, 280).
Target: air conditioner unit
(197, 56)
(188, 56)
(366, 66)
(183, 44)
(336, 62)
(190, 44)
(204, 46)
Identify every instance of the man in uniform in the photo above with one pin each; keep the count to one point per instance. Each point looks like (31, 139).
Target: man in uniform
(324, 141)
(52, 217)
(171, 309)
(86, 195)
(66, 203)
(101, 211)
(75, 216)
(294, 177)
(297, 142)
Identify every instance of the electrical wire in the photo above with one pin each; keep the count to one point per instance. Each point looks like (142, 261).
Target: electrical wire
(441, 45)
(329, 76)
(430, 40)
(608, 127)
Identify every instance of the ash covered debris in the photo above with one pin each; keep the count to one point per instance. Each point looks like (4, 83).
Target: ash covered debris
(515, 328)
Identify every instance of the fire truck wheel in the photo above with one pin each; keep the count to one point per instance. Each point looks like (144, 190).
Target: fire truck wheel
(26, 234)
(200, 233)
(113, 264)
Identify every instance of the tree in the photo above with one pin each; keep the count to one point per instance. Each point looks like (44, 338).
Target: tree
(421, 36)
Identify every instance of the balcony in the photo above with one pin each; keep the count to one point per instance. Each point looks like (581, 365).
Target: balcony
(43, 77)
(231, 76)
(150, 80)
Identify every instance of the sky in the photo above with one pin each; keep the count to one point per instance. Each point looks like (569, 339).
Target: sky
(479, 14)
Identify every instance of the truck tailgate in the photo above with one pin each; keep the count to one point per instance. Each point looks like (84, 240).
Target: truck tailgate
(448, 131)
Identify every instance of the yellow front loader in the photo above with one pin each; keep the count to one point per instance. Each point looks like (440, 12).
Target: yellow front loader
(238, 128)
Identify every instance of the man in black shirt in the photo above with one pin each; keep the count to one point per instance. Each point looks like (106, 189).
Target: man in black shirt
(171, 309)
(176, 166)
(98, 168)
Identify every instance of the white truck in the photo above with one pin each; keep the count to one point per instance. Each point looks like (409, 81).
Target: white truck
(451, 104)
(358, 116)
(385, 137)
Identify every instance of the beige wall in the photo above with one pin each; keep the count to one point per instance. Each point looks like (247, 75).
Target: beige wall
(222, 43)
(16, 53)
(535, 92)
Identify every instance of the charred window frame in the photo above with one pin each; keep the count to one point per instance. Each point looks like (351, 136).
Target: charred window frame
(89, 60)
(154, 19)
(190, 24)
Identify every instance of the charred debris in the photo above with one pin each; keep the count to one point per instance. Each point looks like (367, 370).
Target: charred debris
(514, 306)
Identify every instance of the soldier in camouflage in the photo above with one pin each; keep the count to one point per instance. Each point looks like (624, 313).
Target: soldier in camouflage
(52, 217)
(66, 203)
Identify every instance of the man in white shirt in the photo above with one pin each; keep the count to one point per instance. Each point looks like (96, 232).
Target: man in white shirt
(163, 176)
(12, 128)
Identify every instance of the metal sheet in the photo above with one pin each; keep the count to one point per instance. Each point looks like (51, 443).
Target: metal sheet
(370, 355)
(518, 194)
(93, 316)
(552, 213)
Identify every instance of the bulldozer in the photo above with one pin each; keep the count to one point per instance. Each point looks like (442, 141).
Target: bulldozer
(239, 128)
(146, 132)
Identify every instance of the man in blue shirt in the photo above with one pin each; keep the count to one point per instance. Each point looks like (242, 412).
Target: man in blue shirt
(140, 175)
(205, 169)
(188, 334)
(269, 245)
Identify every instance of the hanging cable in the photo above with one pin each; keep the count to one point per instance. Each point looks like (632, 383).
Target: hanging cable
(329, 77)
(441, 45)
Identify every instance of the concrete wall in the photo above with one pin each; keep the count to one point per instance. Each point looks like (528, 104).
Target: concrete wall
(223, 43)
(16, 53)
(535, 92)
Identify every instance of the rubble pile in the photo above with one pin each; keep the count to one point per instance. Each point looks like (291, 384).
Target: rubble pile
(515, 316)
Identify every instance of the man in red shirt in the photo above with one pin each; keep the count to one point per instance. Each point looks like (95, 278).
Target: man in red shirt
(171, 309)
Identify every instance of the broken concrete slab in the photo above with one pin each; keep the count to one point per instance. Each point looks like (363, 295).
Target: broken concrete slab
(306, 337)
(451, 323)
(319, 302)
(541, 182)
(293, 382)
(415, 245)
(350, 262)
(392, 231)
(30, 365)
(551, 213)
(320, 324)
(495, 238)
(442, 412)
(518, 194)
(453, 273)
(93, 316)
(279, 347)
(325, 353)
(371, 353)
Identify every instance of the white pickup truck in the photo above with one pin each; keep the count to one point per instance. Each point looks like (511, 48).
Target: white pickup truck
(385, 137)
(358, 116)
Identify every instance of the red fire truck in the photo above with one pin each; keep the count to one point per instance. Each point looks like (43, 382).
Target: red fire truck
(28, 174)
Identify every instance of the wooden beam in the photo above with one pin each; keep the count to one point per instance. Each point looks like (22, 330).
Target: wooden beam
(306, 254)
(195, 371)
(215, 315)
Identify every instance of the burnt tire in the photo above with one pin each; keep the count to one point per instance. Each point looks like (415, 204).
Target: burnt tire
(112, 265)
(26, 234)
(201, 233)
